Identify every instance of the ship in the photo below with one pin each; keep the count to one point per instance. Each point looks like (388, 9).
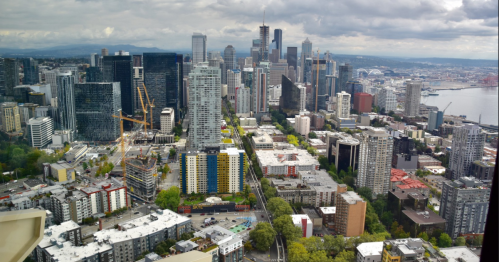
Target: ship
(424, 93)
(433, 94)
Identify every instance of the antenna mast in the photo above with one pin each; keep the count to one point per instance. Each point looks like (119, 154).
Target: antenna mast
(264, 17)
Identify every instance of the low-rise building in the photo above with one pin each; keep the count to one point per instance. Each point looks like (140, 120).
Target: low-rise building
(483, 170)
(294, 191)
(286, 162)
(370, 252)
(224, 245)
(262, 141)
(410, 249)
(436, 170)
(436, 181)
(425, 160)
(106, 196)
(400, 179)
(328, 215)
(459, 254)
(33, 184)
(76, 153)
(62, 172)
(56, 235)
(303, 222)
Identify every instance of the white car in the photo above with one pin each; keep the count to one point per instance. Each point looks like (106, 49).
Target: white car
(222, 220)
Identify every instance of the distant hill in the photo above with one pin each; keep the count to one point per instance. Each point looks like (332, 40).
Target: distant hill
(451, 61)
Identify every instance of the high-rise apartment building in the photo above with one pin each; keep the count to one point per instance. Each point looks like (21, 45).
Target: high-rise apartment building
(167, 120)
(464, 205)
(435, 120)
(11, 120)
(467, 146)
(319, 94)
(277, 70)
(387, 99)
(302, 124)
(350, 212)
(94, 60)
(278, 41)
(163, 82)
(290, 100)
(205, 106)
(260, 90)
(40, 131)
(10, 75)
(343, 105)
(375, 159)
(212, 170)
(95, 105)
(119, 68)
(343, 151)
(66, 116)
(412, 98)
(104, 52)
(243, 98)
(30, 68)
(233, 82)
(306, 52)
(345, 75)
(141, 179)
(264, 47)
(198, 48)
(362, 102)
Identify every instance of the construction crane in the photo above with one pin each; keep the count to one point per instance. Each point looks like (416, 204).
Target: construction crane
(121, 117)
(144, 110)
(317, 80)
(443, 112)
(151, 105)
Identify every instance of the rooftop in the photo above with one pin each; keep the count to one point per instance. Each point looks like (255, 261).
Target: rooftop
(423, 217)
(67, 252)
(57, 233)
(217, 234)
(405, 193)
(33, 182)
(455, 254)
(285, 157)
(351, 197)
(370, 249)
(328, 210)
(297, 219)
(311, 213)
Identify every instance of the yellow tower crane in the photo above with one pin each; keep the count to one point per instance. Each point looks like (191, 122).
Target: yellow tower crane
(144, 110)
(121, 117)
(151, 105)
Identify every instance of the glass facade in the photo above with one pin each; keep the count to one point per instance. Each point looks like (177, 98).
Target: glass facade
(11, 75)
(95, 104)
(93, 74)
(65, 101)
(354, 87)
(322, 93)
(30, 67)
(292, 57)
(345, 75)
(161, 77)
(290, 99)
(119, 68)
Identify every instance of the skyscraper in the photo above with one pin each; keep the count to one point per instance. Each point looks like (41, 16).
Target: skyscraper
(320, 93)
(66, 117)
(161, 77)
(30, 67)
(375, 160)
(93, 74)
(233, 82)
(278, 41)
(387, 99)
(104, 52)
(94, 60)
(345, 75)
(277, 70)
(214, 55)
(11, 75)
(180, 83)
(243, 100)
(412, 98)
(292, 58)
(260, 89)
(230, 57)
(119, 68)
(2, 77)
(306, 52)
(264, 37)
(95, 105)
(343, 105)
(137, 60)
(467, 146)
(198, 48)
(205, 106)
(354, 87)
(289, 102)
(435, 119)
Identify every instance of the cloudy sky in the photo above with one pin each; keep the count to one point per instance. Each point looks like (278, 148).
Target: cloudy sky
(410, 28)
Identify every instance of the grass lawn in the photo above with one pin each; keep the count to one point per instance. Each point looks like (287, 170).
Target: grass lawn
(188, 203)
(237, 199)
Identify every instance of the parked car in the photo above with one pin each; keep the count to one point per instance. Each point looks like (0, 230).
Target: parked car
(212, 218)
(15, 181)
(189, 216)
(234, 221)
(222, 220)
(202, 214)
(135, 213)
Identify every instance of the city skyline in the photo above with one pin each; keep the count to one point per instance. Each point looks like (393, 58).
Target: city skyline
(450, 28)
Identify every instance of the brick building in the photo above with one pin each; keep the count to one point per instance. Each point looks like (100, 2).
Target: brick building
(362, 102)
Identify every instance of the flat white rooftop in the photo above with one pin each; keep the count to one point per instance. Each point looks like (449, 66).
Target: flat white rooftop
(370, 249)
(329, 211)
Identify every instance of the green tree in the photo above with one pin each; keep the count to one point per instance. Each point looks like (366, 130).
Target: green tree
(278, 207)
(263, 235)
(173, 152)
(169, 199)
(478, 240)
(423, 236)
(324, 162)
(366, 192)
(444, 240)
(319, 256)
(312, 135)
(394, 227)
(433, 241)
(265, 184)
(270, 192)
(293, 140)
(297, 252)
(387, 218)
(345, 256)
(312, 244)
(284, 225)
(166, 169)
(460, 241)
(247, 190)
(252, 198)
(84, 165)
(334, 244)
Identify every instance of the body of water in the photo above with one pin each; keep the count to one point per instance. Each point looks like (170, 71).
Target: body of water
(470, 102)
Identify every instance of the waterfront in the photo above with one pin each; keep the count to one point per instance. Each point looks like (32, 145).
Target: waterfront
(470, 102)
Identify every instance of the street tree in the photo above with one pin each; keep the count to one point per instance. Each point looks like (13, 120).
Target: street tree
(444, 240)
(460, 241)
(264, 183)
(297, 252)
(366, 193)
(284, 225)
(263, 235)
(312, 244)
(278, 207)
(169, 199)
(252, 198)
(270, 192)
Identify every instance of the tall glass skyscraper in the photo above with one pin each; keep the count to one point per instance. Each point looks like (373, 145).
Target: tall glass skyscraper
(11, 75)
(198, 48)
(264, 37)
(66, 117)
(95, 105)
(119, 68)
(230, 57)
(278, 41)
(306, 52)
(30, 67)
(320, 93)
(345, 75)
(292, 57)
(161, 77)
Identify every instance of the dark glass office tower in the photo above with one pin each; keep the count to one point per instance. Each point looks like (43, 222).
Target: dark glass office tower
(30, 67)
(354, 87)
(161, 77)
(278, 41)
(119, 68)
(230, 58)
(345, 75)
(322, 92)
(93, 74)
(289, 102)
(11, 75)
(180, 64)
(66, 117)
(95, 105)
(292, 57)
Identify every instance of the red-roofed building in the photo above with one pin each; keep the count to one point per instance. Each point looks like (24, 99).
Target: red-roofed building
(402, 180)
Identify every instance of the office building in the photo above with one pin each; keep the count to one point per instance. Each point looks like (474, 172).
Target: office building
(343, 105)
(483, 170)
(141, 177)
(233, 82)
(387, 99)
(290, 101)
(278, 41)
(370, 251)
(167, 120)
(243, 100)
(285, 162)
(467, 146)
(260, 90)
(10, 75)
(306, 70)
(230, 57)
(138, 81)
(354, 87)
(319, 94)
(412, 98)
(409, 249)
(163, 82)
(464, 205)
(94, 60)
(51, 79)
(95, 105)
(93, 74)
(198, 48)
(302, 124)
(66, 118)
(205, 106)
(460, 253)
(306, 52)
(104, 52)
(375, 158)
(137, 60)
(350, 213)
(435, 120)
(212, 170)
(362, 102)
(264, 44)
(277, 70)
(30, 68)
(40, 131)
(345, 75)
(292, 57)
(106, 196)
(343, 151)
(241, 61)
(11, 120)
(119, 68)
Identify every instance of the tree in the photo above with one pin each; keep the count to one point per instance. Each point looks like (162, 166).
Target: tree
(278, 207)
(270, 192)
(173, 152)
(284, 225)
(345, 256)
(433, 241)
(312, 135)
(84, 165)
(263, 235)
(312, 244)
(169, 199)
(293, 140)
(394, 227)
(248, 246)
(437, 149)
(366, 192)
(324, 162)
(334, 244)
(444, 240)
(478, 240)
(252, 198)
(423, 236)
(460, 241)
(247, 190)
(264, 183)
(166, 169)
(319, 256)
(387, 218)
(297, 252)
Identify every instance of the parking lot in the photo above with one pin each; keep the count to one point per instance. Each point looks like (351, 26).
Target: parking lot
(225, 220)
